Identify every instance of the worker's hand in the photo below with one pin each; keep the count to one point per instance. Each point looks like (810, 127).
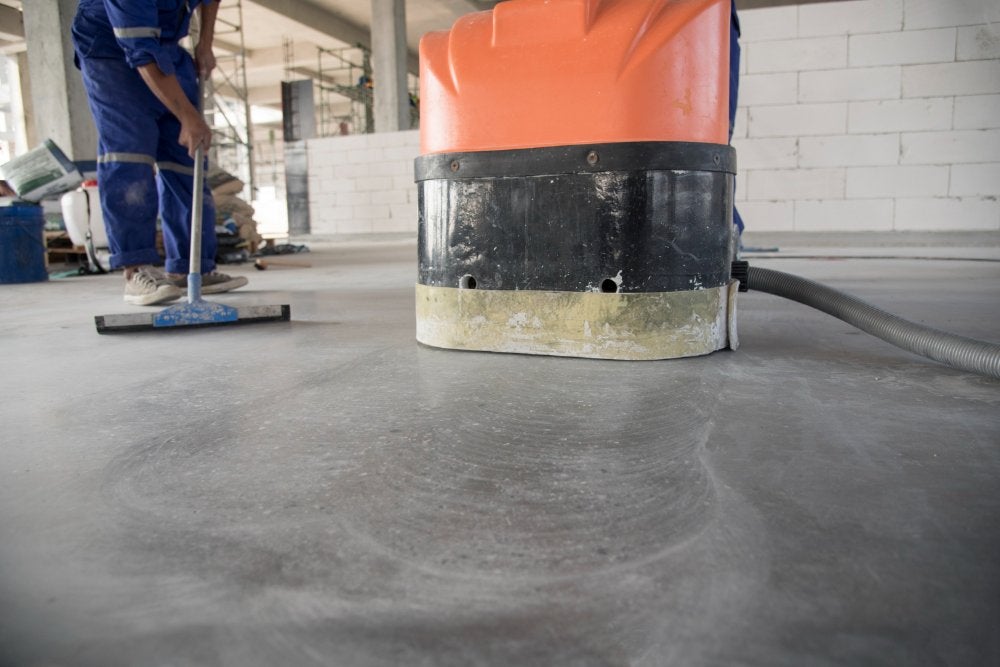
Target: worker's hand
(204, 60)
(195, 132)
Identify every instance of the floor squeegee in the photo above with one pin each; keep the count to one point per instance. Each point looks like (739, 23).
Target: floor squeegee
(194, 311)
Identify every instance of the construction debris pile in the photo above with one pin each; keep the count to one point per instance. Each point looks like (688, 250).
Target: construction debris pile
(234, 224)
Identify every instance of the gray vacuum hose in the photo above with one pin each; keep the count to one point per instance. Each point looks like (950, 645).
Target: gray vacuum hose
(966, 354)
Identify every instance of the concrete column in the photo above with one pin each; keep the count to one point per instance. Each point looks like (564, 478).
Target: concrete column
(389, 53)
(297, 187)
(58, 100)
(30, 136)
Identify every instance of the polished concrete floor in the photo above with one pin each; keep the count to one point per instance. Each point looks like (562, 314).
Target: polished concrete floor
(329, 492)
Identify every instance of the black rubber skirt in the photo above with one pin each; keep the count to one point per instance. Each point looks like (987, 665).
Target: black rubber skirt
(628, 218)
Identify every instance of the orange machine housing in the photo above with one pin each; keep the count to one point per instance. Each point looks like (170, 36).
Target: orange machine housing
(536, 73)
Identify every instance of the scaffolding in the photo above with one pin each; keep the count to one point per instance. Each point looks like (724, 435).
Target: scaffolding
(229, 113)
(345, 74)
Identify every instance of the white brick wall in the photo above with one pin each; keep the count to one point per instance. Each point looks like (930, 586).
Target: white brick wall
(977, 112)
(797, 120)
(846, 150)
(870, 115)
(957, 146)
(796, 183)
(846, 215)
(970, 77)
(902, 48)
(773, 216)
(979, 42)
(771, 24)
(363, 184)
(846, 18)
(929, 113)
(780, 88)
(968, 213)
(798, 54)
(940, 14)
(867, 83)
(974, 180)
(896, 182)
(779, 152)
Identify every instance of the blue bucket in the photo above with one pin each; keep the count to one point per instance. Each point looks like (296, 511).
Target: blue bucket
(22, 244)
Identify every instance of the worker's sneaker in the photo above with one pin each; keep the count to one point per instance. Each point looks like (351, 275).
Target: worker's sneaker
(211, 283)
(148, 286)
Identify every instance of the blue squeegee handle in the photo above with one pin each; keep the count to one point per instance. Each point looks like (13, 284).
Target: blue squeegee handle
(197, 201)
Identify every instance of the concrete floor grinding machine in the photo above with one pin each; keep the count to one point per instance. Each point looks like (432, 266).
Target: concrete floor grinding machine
(576, 189)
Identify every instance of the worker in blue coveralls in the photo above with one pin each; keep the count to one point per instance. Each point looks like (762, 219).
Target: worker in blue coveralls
(143, 92)
(734, 86)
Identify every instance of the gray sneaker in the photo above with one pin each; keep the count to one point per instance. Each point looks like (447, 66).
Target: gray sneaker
(212, 283)
(148, 286)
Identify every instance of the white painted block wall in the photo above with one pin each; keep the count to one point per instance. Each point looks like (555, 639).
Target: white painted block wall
(363, 184)
(857, 115)
(870, 115)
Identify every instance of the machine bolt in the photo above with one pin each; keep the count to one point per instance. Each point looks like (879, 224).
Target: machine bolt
(593, 158)
(454, 166)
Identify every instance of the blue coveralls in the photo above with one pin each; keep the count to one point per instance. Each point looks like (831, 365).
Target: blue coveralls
(142, 170)
(734, 85)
